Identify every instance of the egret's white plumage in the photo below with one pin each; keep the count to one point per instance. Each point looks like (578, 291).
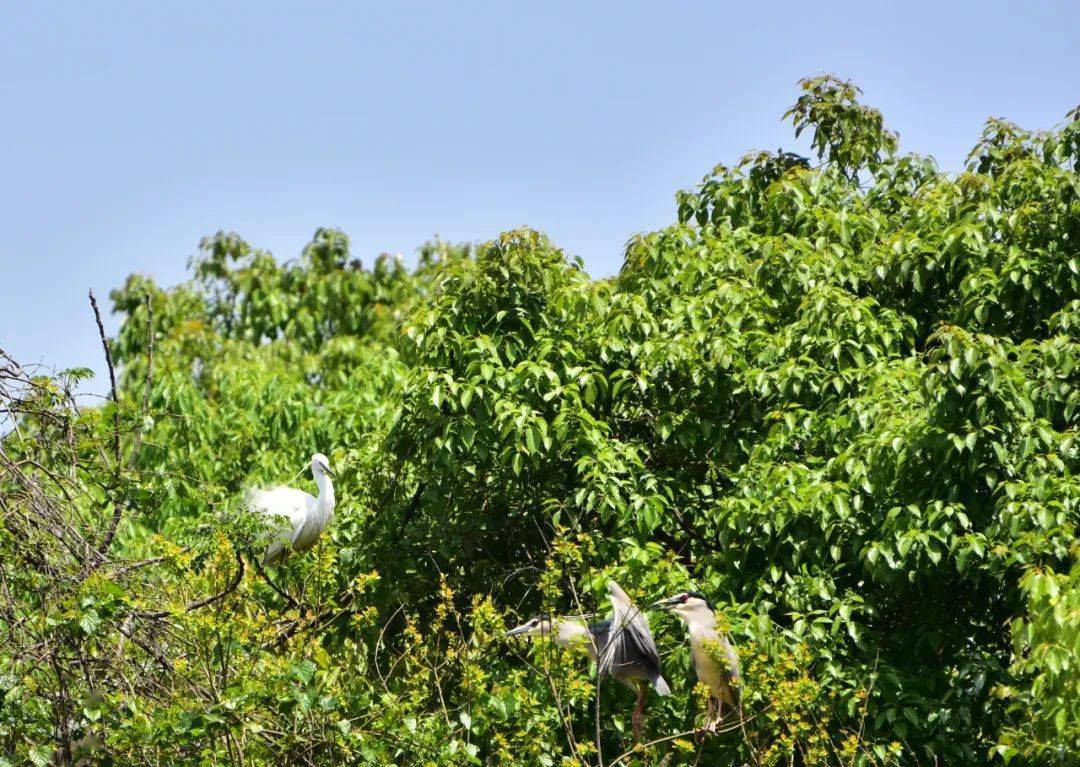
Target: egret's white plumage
(298, 517)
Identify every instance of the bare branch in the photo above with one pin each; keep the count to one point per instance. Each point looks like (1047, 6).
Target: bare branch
(112, 377)
(149, 381)
(277, 590)
(118, 507)
(199, 603)
(697, 732)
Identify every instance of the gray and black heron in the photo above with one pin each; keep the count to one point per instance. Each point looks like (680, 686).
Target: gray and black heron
(715, 660)
(622, 645)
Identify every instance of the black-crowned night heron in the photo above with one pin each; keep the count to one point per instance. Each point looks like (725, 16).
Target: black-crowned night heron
(715, 660)
(622, 645)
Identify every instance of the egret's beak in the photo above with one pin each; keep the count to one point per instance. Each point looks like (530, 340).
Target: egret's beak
(326, 471)
(517, 631)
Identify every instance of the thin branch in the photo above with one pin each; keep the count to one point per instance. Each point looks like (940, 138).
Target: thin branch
(343, 606)
(379, 643)
(543, 672)
(112, 377)
(414, 504)
(149, 381)
(127, 568)
(205, 601)
(166, 666)
(277, 590)
(118, 508)
(866, 700)
(697, 731)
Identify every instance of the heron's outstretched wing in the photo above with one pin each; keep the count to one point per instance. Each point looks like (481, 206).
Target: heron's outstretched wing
(631, 648)
(602, 631)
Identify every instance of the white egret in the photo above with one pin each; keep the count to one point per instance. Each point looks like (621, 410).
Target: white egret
(298, 517)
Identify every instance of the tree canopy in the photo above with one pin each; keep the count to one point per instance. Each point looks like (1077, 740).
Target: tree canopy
(838, 395)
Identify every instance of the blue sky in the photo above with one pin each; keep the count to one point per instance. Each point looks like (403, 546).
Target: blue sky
(129, 131)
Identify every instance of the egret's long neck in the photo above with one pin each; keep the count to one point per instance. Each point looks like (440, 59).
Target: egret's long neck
(325, 500)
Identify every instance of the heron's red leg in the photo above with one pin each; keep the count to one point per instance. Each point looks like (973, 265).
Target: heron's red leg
(639, 712)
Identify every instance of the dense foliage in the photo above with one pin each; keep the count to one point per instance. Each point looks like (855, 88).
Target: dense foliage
(839, 395)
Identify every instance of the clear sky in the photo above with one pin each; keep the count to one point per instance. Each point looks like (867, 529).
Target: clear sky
(130, 130)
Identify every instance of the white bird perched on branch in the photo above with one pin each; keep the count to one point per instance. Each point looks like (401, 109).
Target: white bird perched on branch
(298, 517)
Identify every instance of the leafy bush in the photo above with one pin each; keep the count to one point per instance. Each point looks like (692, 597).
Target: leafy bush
(839, 397)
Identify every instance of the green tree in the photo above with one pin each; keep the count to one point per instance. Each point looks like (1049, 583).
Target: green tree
(838, 394)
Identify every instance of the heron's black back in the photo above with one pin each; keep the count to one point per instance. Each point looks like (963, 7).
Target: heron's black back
(601, 631)
(626, 653)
